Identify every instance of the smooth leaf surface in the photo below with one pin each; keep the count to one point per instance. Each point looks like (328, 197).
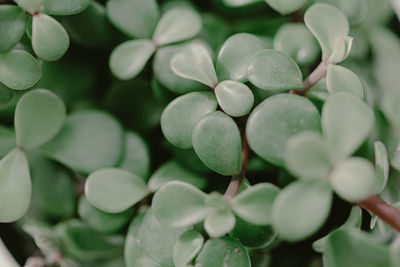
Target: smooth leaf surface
(187, 197)
(187, 247)
(19, 70)
(235, 56)
(15, 186)
(177, 24)
(30, 6)
(307, 156)
(12, 26)
(254, 204)
(341, 49)
(273, 70)
(235, 98)
(275, 120)
(353, 179)
(219, 222)
(61, 7)
(114, 190)
(216, 140)
(135, 18)
(346, 123)
(300, 209)
(181, 116)
(328, 24)
(39, 116)
(50, 40)
(129, 58)
(286, 6)
(340, 79)
(194, 62)
(381, 166)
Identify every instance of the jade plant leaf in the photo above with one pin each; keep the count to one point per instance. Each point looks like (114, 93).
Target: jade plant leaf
(346, 123)
(187, 247)
(353, 179)
(39, 116)
(114, 190)
(235, 98)
(235, 56)
(194, 62)
(216, 140)
(61, 7)
(277, 119)
(88, 141)
(129, 58)
(309, 201)
(30, 6)
(224, 251)
(273, 70)
(12, 26)
(50, 40)
(381, 166)
(340, 79)
(341, 49)
(177, 24)
(254, 204)
(135, 18)
(189, 199)
(15, 186)
(181, 116)
(296, 41)
(328, 24)
(173, 171)
(286, 6)
(219, 223)
(307, 156)
(19, 70)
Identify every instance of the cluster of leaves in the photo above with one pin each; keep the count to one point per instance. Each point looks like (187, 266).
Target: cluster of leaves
(82, 183)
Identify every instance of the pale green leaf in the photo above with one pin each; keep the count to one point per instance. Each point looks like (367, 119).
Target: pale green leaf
(381, 166)
(286, 6)
(187, 247)
(340, 79)
(219, 222)
(12, 26)
(31, 6)
(239, 3)
(341, 49)
(62, 7)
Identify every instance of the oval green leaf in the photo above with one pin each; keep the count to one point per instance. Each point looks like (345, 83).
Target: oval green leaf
(61, 7)
(340, 79)
(219, 222)
(31, 6)
(286, 6)
(187, 247)
(12, 26)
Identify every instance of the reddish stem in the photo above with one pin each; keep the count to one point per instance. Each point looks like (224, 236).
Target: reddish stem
(313, 78)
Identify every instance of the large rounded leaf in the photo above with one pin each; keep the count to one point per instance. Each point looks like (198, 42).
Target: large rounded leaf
(190, 200)
(50, 40)
(340, 79)
(114, 190)
(186, 247)
(273, 70)
(328, 24)
(286, 6)
(61, 7)
(300, 209)
(182, 115)
(235, 56)
(346, 123)
(39, 116)
(135, 18)
(177, 24)
(19, 70)
(12, 26)
(15, 186)
(216, 140)
(275, 120)
(88, 141)
(129, 58)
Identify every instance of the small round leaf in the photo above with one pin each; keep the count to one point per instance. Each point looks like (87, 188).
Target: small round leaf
(381, 166)
(62, 7)
(30, 6)
(186, 247)
(286, 6)
(340, 79)
(219, 222)
(12, 26)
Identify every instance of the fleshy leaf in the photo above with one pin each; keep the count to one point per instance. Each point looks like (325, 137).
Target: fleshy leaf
(187, 247)
(239, 3)
(135, 18)
(30, 6)
(307, 156)
(381, 166)
(6, 96)
(346, 123)
(235, 56)
(341, 49)
(114, 190)
(15, 186)
(194, 62)
(19, 70)
(254, 204)
(219, 223)
(181, 116)
(328, 24)
(234, 98)
(273, 70)
(129, 58)
(177, 24)
(340, 79)
(353, 179)
(286, 6)
(62, 7)
(216, 140)
(300, 209)
(39, 116)
(187, 197)
(275, 120)
(50, 40)
(12, 26)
